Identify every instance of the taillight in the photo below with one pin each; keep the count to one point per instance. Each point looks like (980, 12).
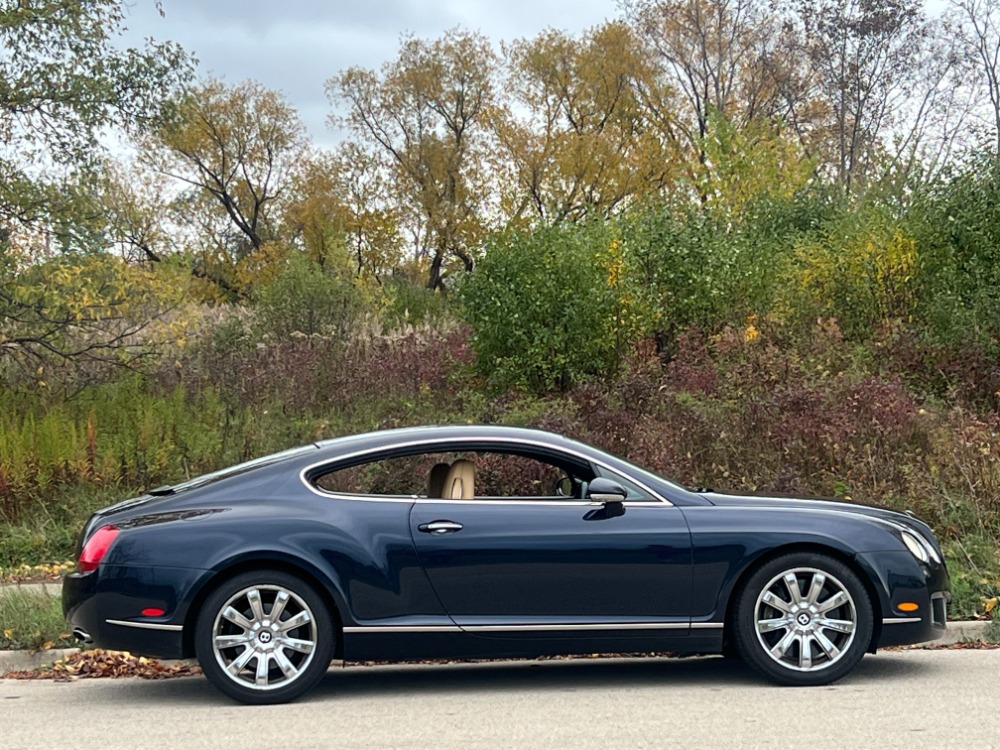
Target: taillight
(95, 548)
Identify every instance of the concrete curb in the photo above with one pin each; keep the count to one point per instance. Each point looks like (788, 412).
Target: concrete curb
(51, 588)
(18, 661)
(962, 630)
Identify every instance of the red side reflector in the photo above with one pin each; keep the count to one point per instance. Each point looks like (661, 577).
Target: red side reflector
(152, 612)
(96, 547)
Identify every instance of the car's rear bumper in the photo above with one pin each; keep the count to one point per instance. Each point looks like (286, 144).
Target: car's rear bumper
(105, 608)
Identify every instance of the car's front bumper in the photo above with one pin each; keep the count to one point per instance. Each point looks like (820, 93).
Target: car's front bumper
(904, 631)
(908, 583)
(105, 608)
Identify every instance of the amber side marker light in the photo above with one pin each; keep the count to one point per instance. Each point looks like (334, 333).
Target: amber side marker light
(907, 606)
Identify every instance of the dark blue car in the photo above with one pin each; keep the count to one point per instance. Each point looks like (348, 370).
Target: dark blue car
(479, 542)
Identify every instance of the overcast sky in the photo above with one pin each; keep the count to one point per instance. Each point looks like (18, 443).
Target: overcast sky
(294, 46)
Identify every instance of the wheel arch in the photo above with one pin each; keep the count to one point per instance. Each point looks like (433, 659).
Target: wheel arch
(263, 562)
(797, 547)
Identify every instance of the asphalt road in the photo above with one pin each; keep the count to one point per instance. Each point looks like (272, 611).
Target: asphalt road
(904, 699)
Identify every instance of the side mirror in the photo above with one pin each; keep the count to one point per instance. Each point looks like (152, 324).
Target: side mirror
(603, 490)
(610, 495)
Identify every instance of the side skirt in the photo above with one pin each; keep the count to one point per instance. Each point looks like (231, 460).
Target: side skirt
(450, 642)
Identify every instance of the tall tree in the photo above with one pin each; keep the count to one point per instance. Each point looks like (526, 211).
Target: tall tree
(714, 51)
(339, 205)
(942, 98)
(979, 35)
(65, 80)
(235, 149)
(864, 57)
(425, 114)
(132, 201)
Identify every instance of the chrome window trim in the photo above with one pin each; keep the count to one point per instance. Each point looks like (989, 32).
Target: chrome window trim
(145, 625)
(658, 497)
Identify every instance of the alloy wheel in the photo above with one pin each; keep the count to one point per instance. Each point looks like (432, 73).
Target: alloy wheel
(264, 637)
(805, 619)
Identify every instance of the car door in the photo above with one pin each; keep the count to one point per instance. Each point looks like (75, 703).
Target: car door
(521, 567)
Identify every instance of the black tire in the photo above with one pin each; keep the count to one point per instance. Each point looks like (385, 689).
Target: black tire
(253, 658)
(814, 638)
(730, 652)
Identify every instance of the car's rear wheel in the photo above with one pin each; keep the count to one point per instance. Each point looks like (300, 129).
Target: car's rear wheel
(803, 619)
(264, 637)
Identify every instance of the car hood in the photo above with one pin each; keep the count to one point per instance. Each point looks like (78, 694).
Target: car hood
(897, 518)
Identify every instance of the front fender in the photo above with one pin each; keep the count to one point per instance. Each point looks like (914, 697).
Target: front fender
(730, 542)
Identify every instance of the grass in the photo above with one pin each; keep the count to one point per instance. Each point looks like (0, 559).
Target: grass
(48, 535)
(32, 620)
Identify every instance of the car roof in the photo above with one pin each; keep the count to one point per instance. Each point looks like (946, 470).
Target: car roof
(396, 436)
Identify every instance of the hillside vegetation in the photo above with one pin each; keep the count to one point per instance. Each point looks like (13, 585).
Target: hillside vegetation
(743, 265)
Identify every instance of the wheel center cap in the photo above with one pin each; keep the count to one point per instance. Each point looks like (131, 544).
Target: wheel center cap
(804, 619)
(264, 636)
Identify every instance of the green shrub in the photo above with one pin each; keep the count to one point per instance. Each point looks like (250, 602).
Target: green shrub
(859, 269)
(305, 298)
(956, 220)
(551, 307)
(689, 269)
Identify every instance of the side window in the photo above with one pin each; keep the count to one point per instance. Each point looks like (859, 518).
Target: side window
(504, 475)
(399, 476)
(458, 475)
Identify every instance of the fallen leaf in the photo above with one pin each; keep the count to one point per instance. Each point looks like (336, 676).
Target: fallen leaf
(101, 663)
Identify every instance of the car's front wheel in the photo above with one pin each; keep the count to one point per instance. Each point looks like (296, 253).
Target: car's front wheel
(264, 637)
(803, 619)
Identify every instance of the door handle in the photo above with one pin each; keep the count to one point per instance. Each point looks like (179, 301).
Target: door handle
(440, 527)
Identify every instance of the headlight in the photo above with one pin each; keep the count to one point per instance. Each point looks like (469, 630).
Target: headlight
(920, 548)
(929, 546)
(914, 546)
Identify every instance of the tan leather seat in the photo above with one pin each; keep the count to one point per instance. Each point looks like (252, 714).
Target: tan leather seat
(461, 480)
(436, 480)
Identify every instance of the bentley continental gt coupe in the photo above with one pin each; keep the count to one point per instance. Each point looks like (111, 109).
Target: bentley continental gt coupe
(487, 542)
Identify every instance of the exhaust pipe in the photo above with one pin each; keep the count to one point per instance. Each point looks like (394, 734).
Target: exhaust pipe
(83, 636)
